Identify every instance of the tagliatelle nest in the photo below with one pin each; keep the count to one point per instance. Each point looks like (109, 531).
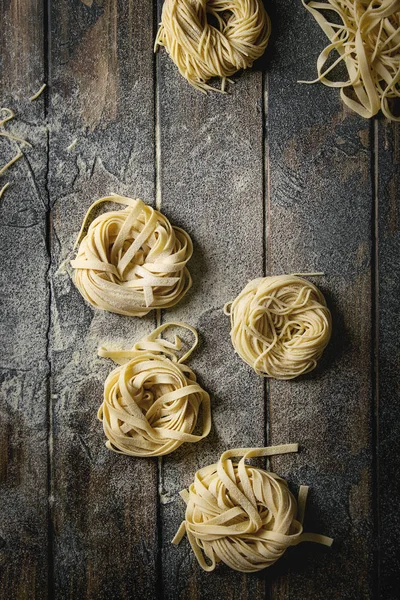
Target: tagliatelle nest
(133, 260)
(152, 401)
(280, 325)
(243, 516)
(368, 43)
(202, 50)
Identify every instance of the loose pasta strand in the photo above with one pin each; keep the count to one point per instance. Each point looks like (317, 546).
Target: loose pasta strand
(38, 93)
(3, 189)
(9, 116)
(11, 162)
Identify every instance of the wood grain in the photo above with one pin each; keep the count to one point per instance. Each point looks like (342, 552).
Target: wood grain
(387, 138)
(105, 505)
(319, 219)
(211, 184)
(275, 177)
(24, 368)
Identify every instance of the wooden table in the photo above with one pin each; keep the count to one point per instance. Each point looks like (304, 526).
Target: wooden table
(275, 177)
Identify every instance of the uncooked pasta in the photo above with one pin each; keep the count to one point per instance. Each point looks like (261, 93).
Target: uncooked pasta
(280, 325)
(213, 38)
(38, 93)
(9, 115)
(11, 162)
(3, 189)
(10, 136)
(152, 401)
(367, 40)
(132, 260)
(72, 145)
(242, 515)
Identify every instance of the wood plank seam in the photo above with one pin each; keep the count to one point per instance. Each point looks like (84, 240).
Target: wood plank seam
(374, 137)
(158, 312)
(50, 444)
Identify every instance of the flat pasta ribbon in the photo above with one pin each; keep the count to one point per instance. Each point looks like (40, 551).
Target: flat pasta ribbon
(152, 401)
(243, 516)
(133, 260)
(280, 325)
(202, 50)
(368, 43)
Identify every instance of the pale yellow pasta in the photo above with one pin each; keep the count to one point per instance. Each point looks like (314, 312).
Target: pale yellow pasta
(243, 516)
(38, 93)
(133, 260)
(368, 43)
(11, 162)
(280, 325)
(152, 401)
(202, 49)
(9, 115)
(3, 189)
(10, 136)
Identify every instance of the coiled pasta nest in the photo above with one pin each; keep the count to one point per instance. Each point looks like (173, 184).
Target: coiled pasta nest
(201, 49)
(280, 325)
(152, 401)
(241, 515)
(133, 260)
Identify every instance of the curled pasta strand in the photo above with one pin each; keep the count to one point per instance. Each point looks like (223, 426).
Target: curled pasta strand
(202, 50)
(11, 162)
(280, 325)
(368, 42)
(10, 114)
(154, 343)
(152, 400)
(40, 91)
(133, 260)
(3, 189)
(241, 515)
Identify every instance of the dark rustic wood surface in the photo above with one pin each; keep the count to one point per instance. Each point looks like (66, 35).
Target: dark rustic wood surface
(104, 511)
(24, 299)
(319, 219)
(387, 358)
(275, 177)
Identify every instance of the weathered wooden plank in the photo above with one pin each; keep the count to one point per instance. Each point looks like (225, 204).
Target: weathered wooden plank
(24, 300)
(105, 505)
(387, 138)
(211, 184)
(319, 219)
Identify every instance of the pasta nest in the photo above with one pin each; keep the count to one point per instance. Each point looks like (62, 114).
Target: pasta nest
(200, 49)
(152, 400)
(367, 40)
(241, 515)
(280, 325)
(132, 260)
